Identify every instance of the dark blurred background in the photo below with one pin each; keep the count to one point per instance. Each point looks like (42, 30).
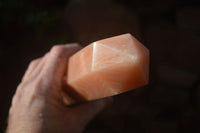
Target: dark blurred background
(170, 29)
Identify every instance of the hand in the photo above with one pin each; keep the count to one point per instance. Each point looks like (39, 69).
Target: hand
(37, 106)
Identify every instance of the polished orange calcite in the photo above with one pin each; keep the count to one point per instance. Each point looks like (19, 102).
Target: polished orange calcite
(108, 67)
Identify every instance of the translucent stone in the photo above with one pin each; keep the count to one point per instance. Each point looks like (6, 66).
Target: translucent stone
(108, 67)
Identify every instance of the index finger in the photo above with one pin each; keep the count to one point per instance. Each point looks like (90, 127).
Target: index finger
(56, 64)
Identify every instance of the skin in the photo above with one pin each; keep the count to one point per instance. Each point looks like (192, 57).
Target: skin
(38, 107)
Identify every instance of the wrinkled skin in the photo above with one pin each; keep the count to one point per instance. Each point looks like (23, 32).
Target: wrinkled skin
(37, 106)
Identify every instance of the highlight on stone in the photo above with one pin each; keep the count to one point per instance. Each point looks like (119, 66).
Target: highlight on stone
(107, 67)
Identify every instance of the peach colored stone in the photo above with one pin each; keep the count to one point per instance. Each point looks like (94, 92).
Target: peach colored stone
(108, 67)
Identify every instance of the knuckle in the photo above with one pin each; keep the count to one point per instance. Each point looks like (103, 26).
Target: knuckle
(74, 45)
(57, 49)
(33, 62)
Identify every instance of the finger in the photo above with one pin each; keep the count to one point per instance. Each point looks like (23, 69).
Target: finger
(84, 113)
(40, 66)
(55, 65)
(35, 67)
(31, 67)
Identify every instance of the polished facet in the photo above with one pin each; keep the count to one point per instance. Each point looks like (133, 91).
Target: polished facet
(109, 67)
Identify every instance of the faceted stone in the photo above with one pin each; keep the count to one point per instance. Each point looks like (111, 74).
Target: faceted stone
(108, 67)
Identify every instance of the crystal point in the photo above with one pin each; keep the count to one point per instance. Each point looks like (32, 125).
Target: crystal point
(109, 67)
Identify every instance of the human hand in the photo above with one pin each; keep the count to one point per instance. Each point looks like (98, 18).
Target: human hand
(37, 106)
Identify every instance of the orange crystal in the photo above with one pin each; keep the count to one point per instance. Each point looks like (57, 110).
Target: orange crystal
(108, 67)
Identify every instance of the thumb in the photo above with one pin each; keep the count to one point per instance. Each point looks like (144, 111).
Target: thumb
(84, 113)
